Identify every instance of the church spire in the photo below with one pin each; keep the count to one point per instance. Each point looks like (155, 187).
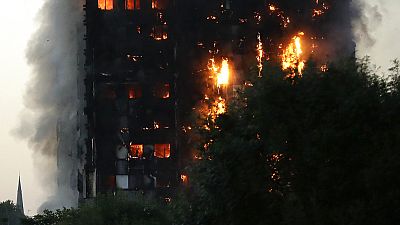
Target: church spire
(20, 201)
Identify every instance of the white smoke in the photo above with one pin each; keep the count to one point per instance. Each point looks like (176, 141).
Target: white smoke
(369, 19)
(50, 118)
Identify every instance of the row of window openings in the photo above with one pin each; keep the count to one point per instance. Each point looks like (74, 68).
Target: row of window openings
(158, 33)
(154, 126)
(161, 151)
(160, 91)
(133, 182)
(129, 4)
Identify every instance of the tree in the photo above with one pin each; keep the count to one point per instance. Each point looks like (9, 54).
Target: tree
(9, 214)
(322, 149)
(105, 210)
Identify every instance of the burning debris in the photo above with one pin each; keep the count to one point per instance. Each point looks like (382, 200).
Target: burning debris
(260, 55)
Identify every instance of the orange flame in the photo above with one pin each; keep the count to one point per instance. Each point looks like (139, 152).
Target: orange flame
(217, 108)
(324, 68)
(274, 10)
(260, 54)
(292, 56)
(105, 4)
(320, 10)
(272, 7)
(223, 75)
(184, 179)
(220, 73)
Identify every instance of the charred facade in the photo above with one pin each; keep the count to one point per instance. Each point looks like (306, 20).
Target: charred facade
(131, 98)
(151, 63)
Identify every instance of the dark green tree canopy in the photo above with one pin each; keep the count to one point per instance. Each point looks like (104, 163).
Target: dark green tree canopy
(321, 149)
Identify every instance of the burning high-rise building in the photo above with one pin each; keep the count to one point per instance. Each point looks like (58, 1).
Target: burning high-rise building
(150, 63)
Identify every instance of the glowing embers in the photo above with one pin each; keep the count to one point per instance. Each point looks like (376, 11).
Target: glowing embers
(134, 58)
(260, 54)
(292, 56)
(184, 179)
(134, 91)
(162, 150)
(132, 4)
(160, 32)
(162, 91)
(274, 10)
(320, 9)
(222, 73)
(217, 108)
(105, 4)
(324, 68)
(136, 150)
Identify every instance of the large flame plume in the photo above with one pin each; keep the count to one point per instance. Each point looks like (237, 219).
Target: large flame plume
(292, 56)
(223, 75)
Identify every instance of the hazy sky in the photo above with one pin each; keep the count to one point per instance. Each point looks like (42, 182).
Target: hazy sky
(17, 23)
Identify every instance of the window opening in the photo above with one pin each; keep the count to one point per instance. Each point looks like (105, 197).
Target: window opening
(158, 4)
(132, 4)
(162, 91)
(105, 4)
(162, 150)
(136, 151)
(159, 32)
(134, 91)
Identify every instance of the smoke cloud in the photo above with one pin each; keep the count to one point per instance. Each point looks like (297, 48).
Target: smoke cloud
(369, 17)
(50, 118)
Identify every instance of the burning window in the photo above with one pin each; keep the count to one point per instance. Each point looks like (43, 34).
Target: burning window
(184, 179)
(134, 91)
(132, 4)
(105, 4)
(162, 91)
(136, 150)
(162, 150)
(159, 32)
(158, 4)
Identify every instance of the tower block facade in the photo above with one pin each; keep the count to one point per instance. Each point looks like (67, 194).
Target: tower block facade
(131, 99)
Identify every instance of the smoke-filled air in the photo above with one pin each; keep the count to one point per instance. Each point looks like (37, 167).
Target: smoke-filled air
(50, 119)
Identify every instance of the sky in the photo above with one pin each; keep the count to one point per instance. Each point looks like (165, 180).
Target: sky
(17, 23)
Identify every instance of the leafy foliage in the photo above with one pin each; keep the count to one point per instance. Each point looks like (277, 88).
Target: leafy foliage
(9, 214)
(322, 149)
(107, 210)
